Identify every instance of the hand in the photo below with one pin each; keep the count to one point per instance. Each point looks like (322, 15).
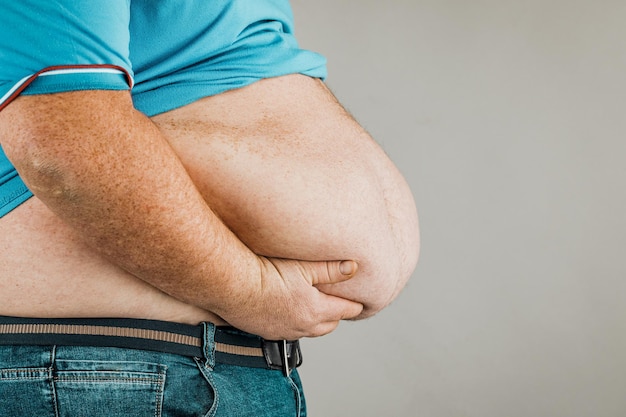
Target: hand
(288, 306)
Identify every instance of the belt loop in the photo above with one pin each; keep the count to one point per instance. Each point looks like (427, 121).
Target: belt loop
(208, 343)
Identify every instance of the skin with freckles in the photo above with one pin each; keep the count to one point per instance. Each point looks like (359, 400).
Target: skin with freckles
(223, 210)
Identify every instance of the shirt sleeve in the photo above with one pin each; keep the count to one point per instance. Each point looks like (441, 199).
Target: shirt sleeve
(63, 45)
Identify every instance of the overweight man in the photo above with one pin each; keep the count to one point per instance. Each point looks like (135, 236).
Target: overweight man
(182, 199)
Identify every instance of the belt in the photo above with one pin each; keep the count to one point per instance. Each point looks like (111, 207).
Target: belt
(231, 346)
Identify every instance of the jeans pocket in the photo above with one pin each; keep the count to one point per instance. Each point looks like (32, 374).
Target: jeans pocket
(26, 392)
(108, 388)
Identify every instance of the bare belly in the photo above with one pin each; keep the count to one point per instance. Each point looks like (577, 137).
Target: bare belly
(46, 271)
(289, 182)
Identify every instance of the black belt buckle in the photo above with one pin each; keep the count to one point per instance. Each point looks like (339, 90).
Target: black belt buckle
(282, 355)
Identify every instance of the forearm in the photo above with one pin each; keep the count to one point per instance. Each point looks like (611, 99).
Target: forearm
(116, 181)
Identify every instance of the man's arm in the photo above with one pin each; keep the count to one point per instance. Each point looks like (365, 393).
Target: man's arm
(107, 171)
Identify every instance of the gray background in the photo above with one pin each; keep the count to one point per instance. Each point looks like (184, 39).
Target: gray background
(508, 119)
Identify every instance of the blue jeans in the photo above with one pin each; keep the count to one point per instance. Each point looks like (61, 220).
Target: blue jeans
(89, 381)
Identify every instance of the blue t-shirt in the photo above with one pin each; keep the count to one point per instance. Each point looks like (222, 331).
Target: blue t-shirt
(168, 52)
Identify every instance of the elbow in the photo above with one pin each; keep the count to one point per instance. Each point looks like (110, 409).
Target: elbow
(44, 176)
(44, 179)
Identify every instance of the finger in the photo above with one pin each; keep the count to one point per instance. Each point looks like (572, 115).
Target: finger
(338, 308)
(344, 310)
(332, 311)
(323, 329)
(334, 272)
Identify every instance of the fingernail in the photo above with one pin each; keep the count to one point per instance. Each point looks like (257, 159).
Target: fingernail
(347, 267)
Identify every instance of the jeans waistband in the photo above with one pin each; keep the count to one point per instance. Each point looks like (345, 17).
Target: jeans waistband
(221, 344)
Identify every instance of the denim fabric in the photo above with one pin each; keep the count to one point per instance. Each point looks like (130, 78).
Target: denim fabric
(80, 381)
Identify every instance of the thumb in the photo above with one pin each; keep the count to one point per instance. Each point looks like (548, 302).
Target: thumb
(336, 271)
